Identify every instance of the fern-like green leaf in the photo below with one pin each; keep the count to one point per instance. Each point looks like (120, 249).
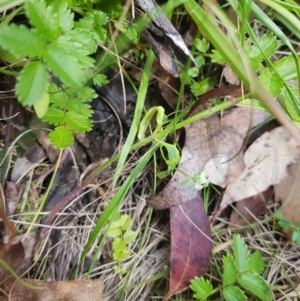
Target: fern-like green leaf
(32, 83)
(21, 41)
(61, 137)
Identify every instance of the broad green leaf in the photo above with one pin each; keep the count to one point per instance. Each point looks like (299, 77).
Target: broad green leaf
(146, 121)
(241, 253)
(193, 72)
(86, 93)
(201, 287)
(296, 237)
(255, 284)
(120, 255)
(62, 16)
(125, 221)
(64, 64)
(229, 269)
(272, 82)
(129, 236)
(32, 83)
(21, 41)
(58, 97)
(285, 224)
(42, 105)
(61, 137)
(286, 67)
(291, 101)
(233, 293)
(100, 80)
(54, 116)
(78, 122)
(267, 44)
(255, 263)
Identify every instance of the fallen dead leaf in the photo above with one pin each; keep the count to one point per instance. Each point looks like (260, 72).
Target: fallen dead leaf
(288, 191)
(190, 244)
(266, 163)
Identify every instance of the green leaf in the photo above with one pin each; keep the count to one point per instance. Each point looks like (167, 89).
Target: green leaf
(272, 82)
(291, 101)
(100, 80)
(255, 263)
(54, 116)
(124, 222)
(255, 284)
(296, 237)
(229, 270)
(79, 107)
(61, 137)
(125, 253)
(286, 67)
(64, 64)
(145, 122)
(173, 155)
(233, 293)
(78, 122)
(42, 105)
(86, 93)
(58, 96)
(285, 224)
(267, 44)
(201, 287)
(114, 230)
(216, 57)
(129, 237)
(193, 72)
(32, 83)
(21, 41)
(202, 45)
(241, 253)
(199, 88)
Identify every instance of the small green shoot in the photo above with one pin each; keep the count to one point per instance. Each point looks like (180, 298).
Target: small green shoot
(241, 276)
(122, 237)
(197, 181)
(285, 224)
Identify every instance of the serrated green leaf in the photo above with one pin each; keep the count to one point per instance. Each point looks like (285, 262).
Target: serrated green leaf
(21, 41)
(233, 293)
(42, 105)
(286, 67)
(125, 253)
(58, 97)
(78, 122)
(114, 230)
(61, 137)
(216, 57)
(272, 82)
(79, 107)
(255, 263)
(129, 237)
(255, 284)
(118, 244)
(100, 80)
(125, 221)
(267, 44)
(86, 93)
(199, 88)
(202, 45)
(241, 253)
(291, 101)
(54, 116)
(201, 287)
(64, 64)
(32, 83)
(229, 270)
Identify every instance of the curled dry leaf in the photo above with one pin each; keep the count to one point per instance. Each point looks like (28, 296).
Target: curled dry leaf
(288, 191)
(212, 146)
(266, 163)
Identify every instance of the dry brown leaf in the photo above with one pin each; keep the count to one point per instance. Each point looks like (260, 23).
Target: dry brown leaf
(288, 191)
(213, 146)
(77, 290)
(266, 163)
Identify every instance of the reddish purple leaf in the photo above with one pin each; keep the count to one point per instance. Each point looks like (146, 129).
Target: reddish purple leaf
(190, 244)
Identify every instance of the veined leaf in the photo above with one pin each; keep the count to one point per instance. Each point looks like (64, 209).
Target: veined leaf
(201, 287)
(233, 293)
(58, 97)
(255, 284)
(129, 236)
(61, 137)
(78, 122)
(32, 83)
(100, 80)
(79, 107)
(64, 64)
(292, 105)
(86, 93)
(272, 82)
(241, 253)
(286, 67)
(255, 263)
(21, 41)
(54, 116)
(229, 270)
(124, 222)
